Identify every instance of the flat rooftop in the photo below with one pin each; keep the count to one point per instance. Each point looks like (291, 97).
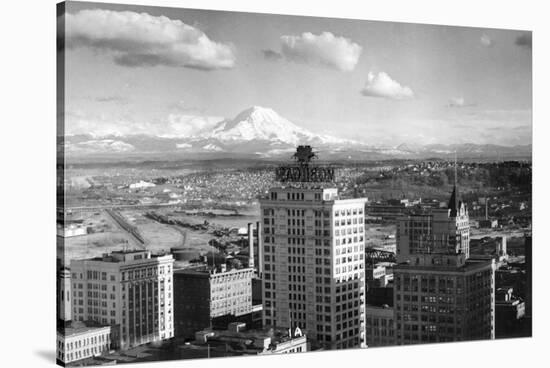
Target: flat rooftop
(80, 327)
(470, 265)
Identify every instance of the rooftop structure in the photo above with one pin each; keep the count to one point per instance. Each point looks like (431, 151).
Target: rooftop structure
(255, 342)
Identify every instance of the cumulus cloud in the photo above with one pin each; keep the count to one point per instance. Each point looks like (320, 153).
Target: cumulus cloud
(486, 40)
(325, 49)
(139, 39)
(525, 40)
(381, 85)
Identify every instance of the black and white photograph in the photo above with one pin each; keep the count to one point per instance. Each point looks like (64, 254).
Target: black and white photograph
(234, 184)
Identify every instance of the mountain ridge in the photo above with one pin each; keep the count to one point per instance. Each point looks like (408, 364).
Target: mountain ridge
(261, 132)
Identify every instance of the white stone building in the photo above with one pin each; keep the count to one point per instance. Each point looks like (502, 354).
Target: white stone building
(129, 290)
(313, 263)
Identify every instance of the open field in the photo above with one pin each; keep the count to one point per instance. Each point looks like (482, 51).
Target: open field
(105, 236)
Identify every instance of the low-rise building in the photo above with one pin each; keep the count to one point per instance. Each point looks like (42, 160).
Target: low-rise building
(141, 184)
(238, 339)
(70, 230)
(82, 340)
(488, 223)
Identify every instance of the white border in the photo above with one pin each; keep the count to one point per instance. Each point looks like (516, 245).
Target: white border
(28, 178)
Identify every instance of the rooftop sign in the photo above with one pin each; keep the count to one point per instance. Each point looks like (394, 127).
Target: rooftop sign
(302, 171)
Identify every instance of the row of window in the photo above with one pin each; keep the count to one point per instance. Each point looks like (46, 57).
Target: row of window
(85, 353)
(349, 240)
(349, 231)
(85, 342)
(146, 272)
(94, 275)
(349, 221)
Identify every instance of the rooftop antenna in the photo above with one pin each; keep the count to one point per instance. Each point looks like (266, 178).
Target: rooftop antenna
(289, 321)
(455, 170)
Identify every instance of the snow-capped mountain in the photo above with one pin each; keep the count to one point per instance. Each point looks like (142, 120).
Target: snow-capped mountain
(263, 125)
(261, 132)
(259, 123)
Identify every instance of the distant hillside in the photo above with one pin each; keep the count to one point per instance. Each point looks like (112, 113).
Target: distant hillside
(261, 133)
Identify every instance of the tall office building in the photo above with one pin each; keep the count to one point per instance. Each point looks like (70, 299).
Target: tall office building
(313, 256)
(129, 290)
(439, 294)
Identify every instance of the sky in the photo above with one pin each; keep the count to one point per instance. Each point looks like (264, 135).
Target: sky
(176, 72)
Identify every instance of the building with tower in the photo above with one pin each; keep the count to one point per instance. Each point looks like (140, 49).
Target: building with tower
(433, 230)
(313, 256)
(439, 293)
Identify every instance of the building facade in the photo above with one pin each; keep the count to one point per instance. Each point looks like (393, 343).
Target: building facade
(129, 290)
(446, 229)
(205, 294)
(444, 303)
(81, 341)
(313, 263)
(439, 293)
(380, 326)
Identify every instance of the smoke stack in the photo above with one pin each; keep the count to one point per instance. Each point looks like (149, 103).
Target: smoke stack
(260, 248)
(486, 209)
(250, 245)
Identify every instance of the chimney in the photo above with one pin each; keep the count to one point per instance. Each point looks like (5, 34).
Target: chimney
(486, 209)
(260, 248)
(250, 245)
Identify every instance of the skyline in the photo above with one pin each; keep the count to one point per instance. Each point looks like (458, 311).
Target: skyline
(384, 82)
